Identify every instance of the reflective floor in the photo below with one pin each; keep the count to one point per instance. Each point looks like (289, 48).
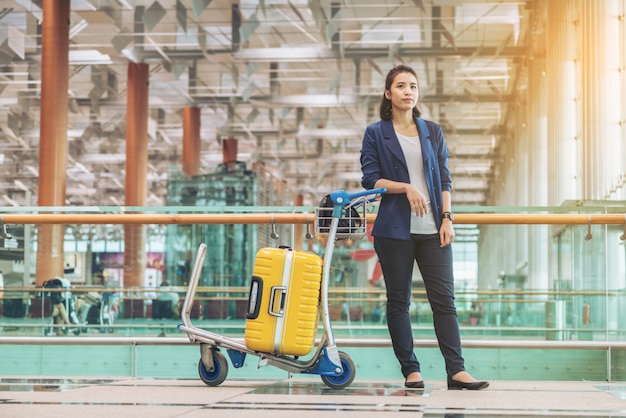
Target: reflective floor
(93, 398)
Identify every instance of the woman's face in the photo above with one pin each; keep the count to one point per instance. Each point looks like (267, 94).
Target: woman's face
(403, 93)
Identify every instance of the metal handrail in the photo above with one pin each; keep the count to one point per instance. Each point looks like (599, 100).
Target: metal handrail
(292, 218)
(343, 342)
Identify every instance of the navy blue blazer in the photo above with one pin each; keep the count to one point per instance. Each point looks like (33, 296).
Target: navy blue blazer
(382, 158)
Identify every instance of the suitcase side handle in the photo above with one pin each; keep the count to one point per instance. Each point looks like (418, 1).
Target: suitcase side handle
(280, 292)
(254, 297)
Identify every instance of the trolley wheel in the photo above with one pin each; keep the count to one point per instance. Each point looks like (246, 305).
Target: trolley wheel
(344, 379)
(220, 370)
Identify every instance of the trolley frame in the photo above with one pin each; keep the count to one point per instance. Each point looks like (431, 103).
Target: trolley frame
(327, 359)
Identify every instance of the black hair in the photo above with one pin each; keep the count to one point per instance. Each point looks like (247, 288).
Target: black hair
(385, 103)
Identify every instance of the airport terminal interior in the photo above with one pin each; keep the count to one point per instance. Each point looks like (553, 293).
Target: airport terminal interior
(151, 150)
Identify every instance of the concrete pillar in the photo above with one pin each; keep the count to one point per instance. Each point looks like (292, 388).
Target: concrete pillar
(601, 60)
(53, 133)
(136, 170)
(534, 178)
(564, 150)
(600, 98)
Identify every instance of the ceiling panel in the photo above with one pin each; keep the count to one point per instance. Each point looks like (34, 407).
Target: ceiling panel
(296, 82)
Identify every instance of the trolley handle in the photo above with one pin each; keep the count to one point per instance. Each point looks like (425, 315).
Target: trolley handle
(341, 198)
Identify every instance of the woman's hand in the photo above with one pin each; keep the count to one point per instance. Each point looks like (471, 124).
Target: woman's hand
(417, 201)
(446, 233)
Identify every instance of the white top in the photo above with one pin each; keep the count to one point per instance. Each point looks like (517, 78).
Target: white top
(412, 150)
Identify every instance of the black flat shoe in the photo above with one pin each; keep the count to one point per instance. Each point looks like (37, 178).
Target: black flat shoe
(414, 385)
(457, 385)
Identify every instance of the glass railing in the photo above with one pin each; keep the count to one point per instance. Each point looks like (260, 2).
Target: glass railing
(551, 278)
(93, 311)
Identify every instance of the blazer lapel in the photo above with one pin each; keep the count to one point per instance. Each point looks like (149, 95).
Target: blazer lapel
(425, 140)
(391, 140)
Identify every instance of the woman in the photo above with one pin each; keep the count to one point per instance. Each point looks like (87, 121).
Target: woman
(408, 156)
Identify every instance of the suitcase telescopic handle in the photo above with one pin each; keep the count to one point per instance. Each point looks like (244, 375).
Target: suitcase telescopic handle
(279, 292)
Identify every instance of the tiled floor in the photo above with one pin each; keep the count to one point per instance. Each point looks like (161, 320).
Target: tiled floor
(301, 398)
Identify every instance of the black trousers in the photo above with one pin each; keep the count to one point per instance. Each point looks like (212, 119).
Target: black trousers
(435, 263)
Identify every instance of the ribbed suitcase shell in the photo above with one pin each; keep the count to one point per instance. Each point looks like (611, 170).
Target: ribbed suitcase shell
(290, 278)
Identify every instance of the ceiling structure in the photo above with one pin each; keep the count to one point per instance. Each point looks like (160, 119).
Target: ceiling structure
(294, 81)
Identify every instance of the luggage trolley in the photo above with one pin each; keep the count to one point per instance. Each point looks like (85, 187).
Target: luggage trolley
(346, 218)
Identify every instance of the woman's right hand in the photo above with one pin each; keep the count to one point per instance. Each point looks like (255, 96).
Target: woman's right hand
(417, 201)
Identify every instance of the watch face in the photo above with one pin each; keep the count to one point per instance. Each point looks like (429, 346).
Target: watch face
(448, 215)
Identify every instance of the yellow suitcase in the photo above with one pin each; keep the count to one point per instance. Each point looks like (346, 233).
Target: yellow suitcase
(283, 304)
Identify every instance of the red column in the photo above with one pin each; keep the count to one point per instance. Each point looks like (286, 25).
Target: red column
(191, 141)
(136, 170)
(229, 151)
(53, 133)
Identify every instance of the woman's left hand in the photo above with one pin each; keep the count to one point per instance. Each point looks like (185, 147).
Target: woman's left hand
(446, 233)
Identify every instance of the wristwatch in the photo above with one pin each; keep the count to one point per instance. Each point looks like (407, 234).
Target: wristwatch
(448, 215)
